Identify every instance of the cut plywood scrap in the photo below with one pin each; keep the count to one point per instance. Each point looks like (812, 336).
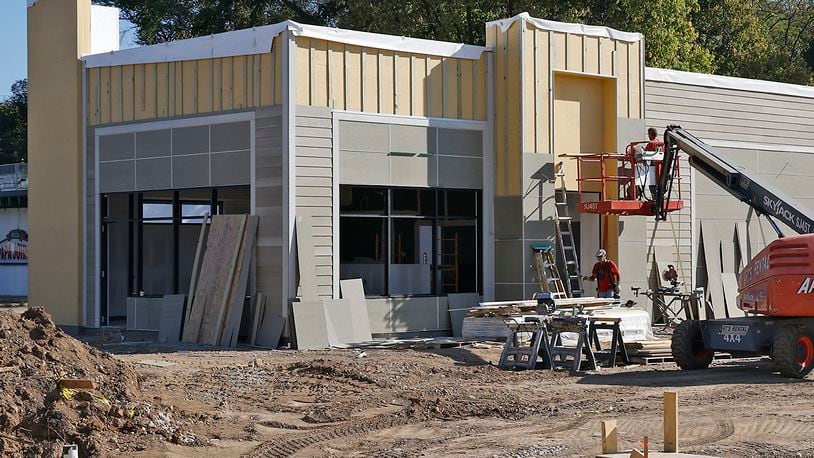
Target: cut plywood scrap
(237, 294)
(458, 306)
(354, 290)
(305, 259)
(172, 316)
(310, 325)
(340, 322)
(730, 285)
(712, 260)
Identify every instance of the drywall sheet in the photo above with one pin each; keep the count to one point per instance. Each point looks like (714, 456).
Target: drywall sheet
(310, 325)
(172, 316)
(459, 305)
(730, 286)
(305, 258)
(354, 290)
(741, 243)
(341, 330)
(712, 261)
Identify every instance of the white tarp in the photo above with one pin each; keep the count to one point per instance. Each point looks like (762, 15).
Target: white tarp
(257, 40)
(566, 27)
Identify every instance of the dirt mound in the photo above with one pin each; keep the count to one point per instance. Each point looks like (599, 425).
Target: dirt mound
(37, 417)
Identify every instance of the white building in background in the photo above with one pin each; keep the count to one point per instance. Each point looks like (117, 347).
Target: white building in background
(13, 232)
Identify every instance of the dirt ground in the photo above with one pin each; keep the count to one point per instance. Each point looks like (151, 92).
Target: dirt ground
(455, 402)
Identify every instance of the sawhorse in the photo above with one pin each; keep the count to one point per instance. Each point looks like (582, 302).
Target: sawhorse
(617, 347)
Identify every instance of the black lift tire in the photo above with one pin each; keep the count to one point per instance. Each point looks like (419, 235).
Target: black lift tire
(688, 346)
(793, 351)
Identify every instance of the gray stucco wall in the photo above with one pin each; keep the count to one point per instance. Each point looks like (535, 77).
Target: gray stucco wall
(767, 133)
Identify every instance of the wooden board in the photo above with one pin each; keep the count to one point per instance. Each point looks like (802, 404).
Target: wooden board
(237, 292)
(310, 325)
(217, 267)
(305, 258)
(220, 284)
(196, 264)
(355, 291)
(730, 285)
(670, 421)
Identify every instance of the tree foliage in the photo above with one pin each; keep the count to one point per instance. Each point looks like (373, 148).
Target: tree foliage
(766, 39)
(14, 124)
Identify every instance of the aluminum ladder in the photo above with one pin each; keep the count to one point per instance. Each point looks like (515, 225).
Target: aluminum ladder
(565, 236)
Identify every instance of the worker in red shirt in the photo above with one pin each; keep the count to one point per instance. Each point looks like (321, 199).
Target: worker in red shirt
(653, 140)
(606, 274)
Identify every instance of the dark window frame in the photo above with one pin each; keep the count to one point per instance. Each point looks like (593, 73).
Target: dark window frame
(437, 223)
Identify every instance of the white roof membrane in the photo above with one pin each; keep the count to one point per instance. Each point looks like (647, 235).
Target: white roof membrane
(258, 40)
(566, 27)
(726, 82)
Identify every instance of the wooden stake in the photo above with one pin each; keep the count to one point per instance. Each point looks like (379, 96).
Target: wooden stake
(670, 421)
(609, 444)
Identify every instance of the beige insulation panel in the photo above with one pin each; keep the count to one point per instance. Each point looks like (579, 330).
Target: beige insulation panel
(165, 89)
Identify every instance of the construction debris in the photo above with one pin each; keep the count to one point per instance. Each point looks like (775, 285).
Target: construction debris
(56, 390)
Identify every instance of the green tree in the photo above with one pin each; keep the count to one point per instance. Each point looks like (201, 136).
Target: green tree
(14, 125)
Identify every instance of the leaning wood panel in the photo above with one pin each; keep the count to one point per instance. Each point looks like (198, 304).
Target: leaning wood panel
(237, 289)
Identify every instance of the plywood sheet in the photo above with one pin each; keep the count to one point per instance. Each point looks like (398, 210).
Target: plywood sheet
(172, 316)
(305, 258)
(237, 291)
(310, 325)
(730, 285)
(354, 291)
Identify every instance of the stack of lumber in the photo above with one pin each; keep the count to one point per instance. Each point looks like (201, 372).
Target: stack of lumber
(220, 274)
(647, 351)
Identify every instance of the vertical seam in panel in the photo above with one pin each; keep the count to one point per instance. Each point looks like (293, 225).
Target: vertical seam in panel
(412, 84)
(582, 41)
(627, 51)
(328, 82)
(395, 83)
(379, 98)
(345, 80)
(428, 88)
(362, 79)
(444, 88)
(459, 89)
(567, 40)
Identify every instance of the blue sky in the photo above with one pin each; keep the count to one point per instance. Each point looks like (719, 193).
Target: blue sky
(13, 42)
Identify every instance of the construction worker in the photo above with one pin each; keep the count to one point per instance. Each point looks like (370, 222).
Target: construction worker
(606, 274)
(648, 161)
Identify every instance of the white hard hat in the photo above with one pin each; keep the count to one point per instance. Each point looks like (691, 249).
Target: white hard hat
(601, 253)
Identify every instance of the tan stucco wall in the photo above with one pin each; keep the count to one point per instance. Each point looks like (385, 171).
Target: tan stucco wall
(58, 34)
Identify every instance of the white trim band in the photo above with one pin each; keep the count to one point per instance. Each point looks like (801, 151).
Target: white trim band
(726, 82)
(566, 27)
(257, 40)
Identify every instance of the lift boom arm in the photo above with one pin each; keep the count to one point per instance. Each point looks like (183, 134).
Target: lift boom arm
(742, 184)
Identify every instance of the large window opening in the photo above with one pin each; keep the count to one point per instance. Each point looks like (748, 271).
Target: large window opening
(406, 241)
(149, 241)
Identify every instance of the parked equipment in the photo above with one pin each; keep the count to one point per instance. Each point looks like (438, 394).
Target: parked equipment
(776, 286)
